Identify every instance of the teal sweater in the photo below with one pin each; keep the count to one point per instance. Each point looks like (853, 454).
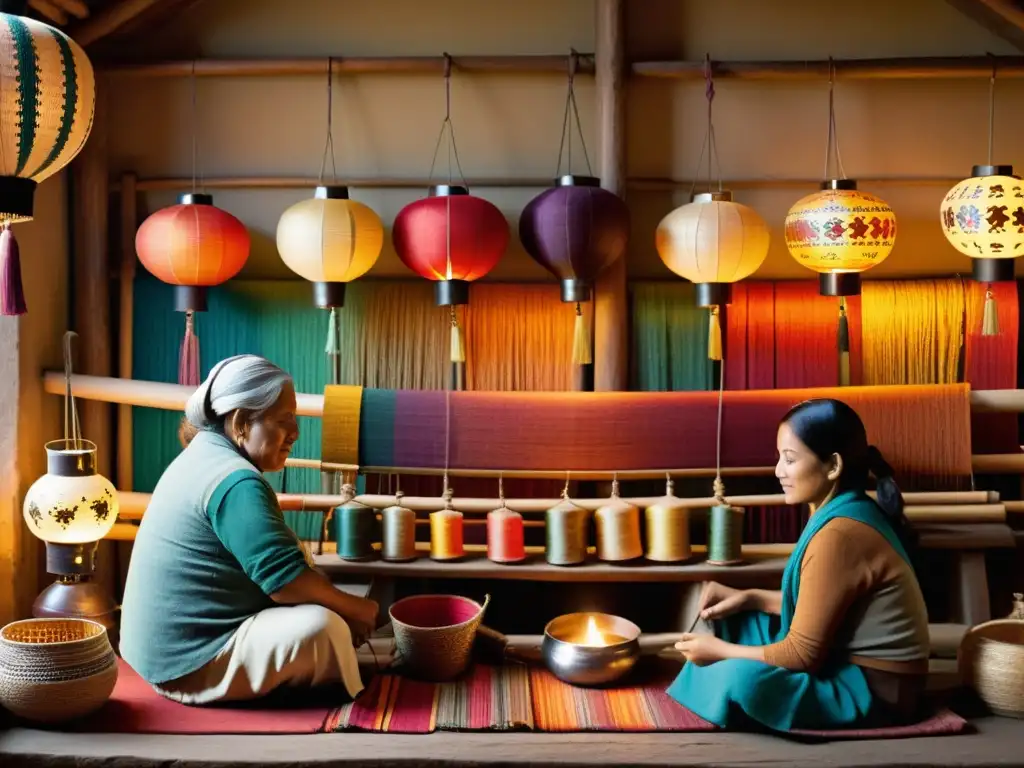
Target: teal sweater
(211, 549)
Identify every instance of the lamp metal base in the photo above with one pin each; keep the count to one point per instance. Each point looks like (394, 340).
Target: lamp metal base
(76, 598)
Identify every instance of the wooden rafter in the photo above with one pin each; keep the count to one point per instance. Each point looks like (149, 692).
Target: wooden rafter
(76, 8)
(1004, 18)
(49, 11)
(110, 19)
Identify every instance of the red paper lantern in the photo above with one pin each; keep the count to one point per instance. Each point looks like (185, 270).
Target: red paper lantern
(192, 245)
(450, 237)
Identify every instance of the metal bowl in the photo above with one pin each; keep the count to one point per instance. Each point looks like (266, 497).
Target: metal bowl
(573, 659)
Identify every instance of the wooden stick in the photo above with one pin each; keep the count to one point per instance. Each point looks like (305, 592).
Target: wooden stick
(904, 68)
(355, 65)
(307, 182)
(126, 307)
(110, 19)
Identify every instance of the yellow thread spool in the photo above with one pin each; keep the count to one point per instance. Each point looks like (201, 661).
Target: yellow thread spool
(566, 533)
(446, 540)
(618, 529)
(668, 529)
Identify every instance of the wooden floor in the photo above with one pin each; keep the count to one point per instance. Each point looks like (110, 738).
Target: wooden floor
(997, 741)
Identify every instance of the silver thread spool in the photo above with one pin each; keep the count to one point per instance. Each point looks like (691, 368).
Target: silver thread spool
(398, 534)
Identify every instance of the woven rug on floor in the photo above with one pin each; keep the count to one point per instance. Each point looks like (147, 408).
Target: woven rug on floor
(517, 698)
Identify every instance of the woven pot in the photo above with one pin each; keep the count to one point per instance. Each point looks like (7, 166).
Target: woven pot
(434, 634)
(52, 670)
(991, 661)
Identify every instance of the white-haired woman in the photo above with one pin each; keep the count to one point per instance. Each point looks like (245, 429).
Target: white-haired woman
(221, 602)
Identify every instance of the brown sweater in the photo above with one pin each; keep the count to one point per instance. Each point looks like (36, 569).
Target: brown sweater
(859, 597)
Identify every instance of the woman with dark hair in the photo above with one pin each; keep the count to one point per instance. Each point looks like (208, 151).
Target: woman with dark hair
(844, 643)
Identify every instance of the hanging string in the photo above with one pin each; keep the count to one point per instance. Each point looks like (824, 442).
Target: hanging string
(446, 525)
(725, 522)
(571, 108)
(709, 145)
(72, 429)
(195, 131)
(329, 143)
(990, 316)
(833, 132)
(446, 125)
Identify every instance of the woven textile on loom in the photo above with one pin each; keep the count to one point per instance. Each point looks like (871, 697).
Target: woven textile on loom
(924, 431)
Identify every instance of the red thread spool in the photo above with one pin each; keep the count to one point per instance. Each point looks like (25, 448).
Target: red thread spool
(505, 536)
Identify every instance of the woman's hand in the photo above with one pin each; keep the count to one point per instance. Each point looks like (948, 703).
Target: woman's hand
(702, 649)
(362, 620)
(718, 601)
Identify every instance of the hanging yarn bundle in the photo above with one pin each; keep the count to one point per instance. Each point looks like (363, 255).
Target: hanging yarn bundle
(618, 529)
(566, 528)
(356, 528)
(668, 528)
(505, 535)
(398, 532)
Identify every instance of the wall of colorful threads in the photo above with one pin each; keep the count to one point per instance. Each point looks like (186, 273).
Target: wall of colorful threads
(624, 531)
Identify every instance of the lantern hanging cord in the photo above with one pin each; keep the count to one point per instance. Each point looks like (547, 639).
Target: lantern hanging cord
(709, 144)
(565, 144)
(72, 429)
(719, 486)
(447, 491)
(991, 108)
(329, 144)
(453, 150)
(833, 133)
(195, 130)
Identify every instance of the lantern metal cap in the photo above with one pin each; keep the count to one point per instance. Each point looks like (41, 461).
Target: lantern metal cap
(190, 298)
(18, 196)
(195, 198)
(979, 171)
(569, 180)
(450, 293)
(839, 184)
(71, 559)
(839, 284)
(721, 196)
(331, 192)
(70, 458)
(714, 294)
(574, 290)
(329, 295)
(447, 190)
(993, 270)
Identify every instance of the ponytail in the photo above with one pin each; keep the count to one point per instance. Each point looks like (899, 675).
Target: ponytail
(890, 499)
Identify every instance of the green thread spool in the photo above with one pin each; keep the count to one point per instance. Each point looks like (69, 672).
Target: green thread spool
(725, 535)
(356, 530)
(565, 530)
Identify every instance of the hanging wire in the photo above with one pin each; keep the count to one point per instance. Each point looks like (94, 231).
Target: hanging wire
(991, 108)
(72, 429)
(195, 130)
(565, 144)
(833, 133)
(329, 144)
(709, 144)
(446, 125)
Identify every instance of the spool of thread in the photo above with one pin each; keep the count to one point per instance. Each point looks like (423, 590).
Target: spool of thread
(446, 540)
(505, 540)
(356, 530)
(725, 535)
(398, 532)
(668, 529)
(618, 530)
(566, 534)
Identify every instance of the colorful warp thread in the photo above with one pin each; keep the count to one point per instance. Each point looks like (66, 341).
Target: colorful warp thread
(339, 437)
(990, 362)
(515, 698)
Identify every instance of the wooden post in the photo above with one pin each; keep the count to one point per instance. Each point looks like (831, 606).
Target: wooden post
(126, 314)
(611, 321)
(90, 297)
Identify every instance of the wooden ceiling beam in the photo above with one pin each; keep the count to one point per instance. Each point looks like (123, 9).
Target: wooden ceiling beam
(110, 19)
(76, 8)
(1003, 18)
(49, 11)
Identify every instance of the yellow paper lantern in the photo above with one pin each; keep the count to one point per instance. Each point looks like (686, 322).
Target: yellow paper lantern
(840, 232)
(713, 242)
(983, 218)
(330, 241)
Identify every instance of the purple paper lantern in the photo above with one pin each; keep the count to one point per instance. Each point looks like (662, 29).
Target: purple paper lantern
(575, 230)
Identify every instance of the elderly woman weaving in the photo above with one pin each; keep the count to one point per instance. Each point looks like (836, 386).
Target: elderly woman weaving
(221, 603)
(845, 642)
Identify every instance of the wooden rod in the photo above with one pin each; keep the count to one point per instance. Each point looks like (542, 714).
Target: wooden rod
(354, 65)
(903, 68)
(651, 184)
(110, 19)
(309, 182)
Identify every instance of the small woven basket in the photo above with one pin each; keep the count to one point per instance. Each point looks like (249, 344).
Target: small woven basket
(53, 670)
(434, 634)
(991, 661)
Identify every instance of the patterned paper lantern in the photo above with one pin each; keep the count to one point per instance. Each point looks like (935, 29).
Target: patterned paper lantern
(575, 230)
(840, 232)
(451, 237)
(330, 240)
(713, 242)
(48, 92)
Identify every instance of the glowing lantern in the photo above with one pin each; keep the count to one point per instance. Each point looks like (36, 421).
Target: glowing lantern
(452, 238)
(713, 242)
(983, 218)
(330, 240)
(840, 232)
(576, 230)
(48, 91)
(192, 246)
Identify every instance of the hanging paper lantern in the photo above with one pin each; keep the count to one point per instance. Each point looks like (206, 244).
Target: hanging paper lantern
(330, 240)
(840, 232)
(575, 230)
(192, 246)
(983, 218)
(48, 92)
(713, 242)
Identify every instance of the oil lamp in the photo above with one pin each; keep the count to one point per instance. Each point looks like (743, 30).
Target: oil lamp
(590, 648)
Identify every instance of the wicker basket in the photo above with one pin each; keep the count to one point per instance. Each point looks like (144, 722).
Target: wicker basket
(53, 670)
(991, 661)
(434, 634)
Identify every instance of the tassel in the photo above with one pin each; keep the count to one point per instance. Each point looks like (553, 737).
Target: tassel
(458, 352)
(581, 339)
(714, 336)
(332, 348)
(843, 343)
(12, 293)
(990, 321)
(188, 362)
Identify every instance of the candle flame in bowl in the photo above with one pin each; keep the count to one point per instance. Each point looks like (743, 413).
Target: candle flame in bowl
(593, 636)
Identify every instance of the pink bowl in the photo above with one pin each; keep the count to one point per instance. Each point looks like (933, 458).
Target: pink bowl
(434, 611)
